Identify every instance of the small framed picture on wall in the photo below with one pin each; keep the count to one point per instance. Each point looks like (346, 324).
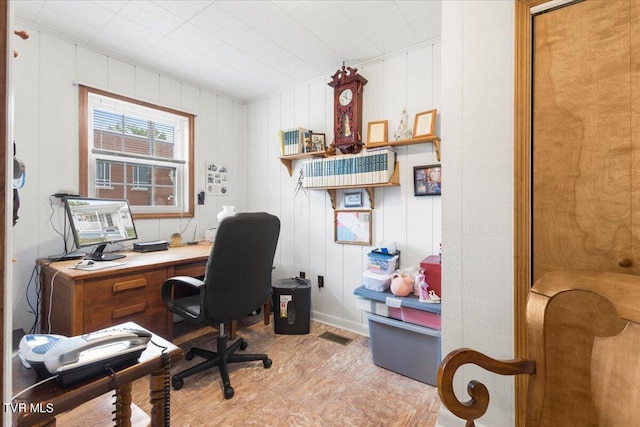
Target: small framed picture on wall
(353, 227)
(427, 180)
(353, 199)
(377, 131)
(317, 142)
(425, 124)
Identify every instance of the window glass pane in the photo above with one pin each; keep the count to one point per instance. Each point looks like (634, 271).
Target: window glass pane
(139, 153)
(120, 133)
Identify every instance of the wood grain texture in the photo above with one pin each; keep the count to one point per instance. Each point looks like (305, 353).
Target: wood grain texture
(583, 333)
(583, 152)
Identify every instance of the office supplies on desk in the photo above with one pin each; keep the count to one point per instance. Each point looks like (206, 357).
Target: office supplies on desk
(156, 245)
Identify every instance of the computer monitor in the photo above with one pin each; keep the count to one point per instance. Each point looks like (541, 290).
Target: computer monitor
(98, 222)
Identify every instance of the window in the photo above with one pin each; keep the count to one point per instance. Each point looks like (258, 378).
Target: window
(103, 174)
(137, 151)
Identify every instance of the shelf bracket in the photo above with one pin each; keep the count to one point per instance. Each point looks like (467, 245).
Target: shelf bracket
(371, 191)
(332, 196)
(287, 164)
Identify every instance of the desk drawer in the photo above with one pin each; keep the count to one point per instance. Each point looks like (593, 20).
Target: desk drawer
(192, 269)
(131, 297)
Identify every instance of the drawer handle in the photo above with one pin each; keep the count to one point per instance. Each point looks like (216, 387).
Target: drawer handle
(126, 311)
(131, 284)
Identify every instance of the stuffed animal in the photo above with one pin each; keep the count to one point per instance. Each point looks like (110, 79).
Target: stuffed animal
(401, 285)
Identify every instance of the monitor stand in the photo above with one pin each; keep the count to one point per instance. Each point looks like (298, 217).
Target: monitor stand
(98, 255)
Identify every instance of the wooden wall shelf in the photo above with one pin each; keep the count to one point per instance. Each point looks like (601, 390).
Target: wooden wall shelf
(287, 161)
(421, 140)
(394, 181)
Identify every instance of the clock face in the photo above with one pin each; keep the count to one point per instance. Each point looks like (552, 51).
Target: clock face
(345, 97)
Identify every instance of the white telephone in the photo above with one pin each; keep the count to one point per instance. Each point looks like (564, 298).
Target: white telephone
(84, 356)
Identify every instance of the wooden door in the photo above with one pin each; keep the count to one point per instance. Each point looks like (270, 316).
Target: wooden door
(4, 186)
(585, 140)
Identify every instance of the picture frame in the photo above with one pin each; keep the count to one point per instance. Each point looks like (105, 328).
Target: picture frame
(377, 131)
(317, 142)
(352, 199)
(353, 227)
(425, 123)
(427, 180)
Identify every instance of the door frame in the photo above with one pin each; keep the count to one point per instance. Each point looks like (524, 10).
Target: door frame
(522, 182)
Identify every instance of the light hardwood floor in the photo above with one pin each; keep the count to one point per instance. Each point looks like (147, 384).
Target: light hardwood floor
(312, 382)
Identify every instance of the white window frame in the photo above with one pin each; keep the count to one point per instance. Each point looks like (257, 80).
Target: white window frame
(183, 123)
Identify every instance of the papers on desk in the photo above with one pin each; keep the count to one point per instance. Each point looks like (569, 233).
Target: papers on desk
(99, 265)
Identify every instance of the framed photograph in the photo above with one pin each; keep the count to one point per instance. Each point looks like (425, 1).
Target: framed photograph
(425, 123)
(353, 227)
(427, 180)
(377, 131)
(317, 142)
(353, 199)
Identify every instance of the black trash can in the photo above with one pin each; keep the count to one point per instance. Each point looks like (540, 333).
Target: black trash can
(292, 306)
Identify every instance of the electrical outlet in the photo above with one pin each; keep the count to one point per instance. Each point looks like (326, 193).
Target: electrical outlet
(321, 281)
(302, 275)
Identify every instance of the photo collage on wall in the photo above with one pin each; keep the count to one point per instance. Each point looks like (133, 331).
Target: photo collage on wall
(217, 179)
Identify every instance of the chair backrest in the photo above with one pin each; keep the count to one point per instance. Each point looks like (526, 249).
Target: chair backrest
(583, 333)
(583, 366)
(238, 275)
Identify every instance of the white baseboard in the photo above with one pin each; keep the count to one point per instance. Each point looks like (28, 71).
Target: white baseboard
(355, 327)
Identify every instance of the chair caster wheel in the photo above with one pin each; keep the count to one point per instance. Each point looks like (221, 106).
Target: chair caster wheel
(177, 383)
(228, 393)
(244, 345)
(189, 355)
(267, 363)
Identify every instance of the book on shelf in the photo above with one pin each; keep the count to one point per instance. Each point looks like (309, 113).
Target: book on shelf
(364, 168)
(294, 141)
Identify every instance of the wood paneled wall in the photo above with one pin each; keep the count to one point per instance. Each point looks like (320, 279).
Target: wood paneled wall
(408, 79)
(46, 135)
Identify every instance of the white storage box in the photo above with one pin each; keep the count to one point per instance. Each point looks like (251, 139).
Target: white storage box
(381, 263)
(375, 307)
(376, 282)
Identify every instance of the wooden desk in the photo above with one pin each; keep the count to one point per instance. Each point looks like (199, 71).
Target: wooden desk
(42, 403)
(85, 301)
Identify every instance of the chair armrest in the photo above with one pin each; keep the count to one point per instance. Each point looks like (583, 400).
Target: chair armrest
(479, 402)
(167, 293)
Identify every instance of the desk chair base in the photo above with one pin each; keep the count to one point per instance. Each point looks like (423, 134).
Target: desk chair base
(220, 358)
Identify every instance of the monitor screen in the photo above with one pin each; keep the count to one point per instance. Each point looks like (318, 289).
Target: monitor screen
(100, 222)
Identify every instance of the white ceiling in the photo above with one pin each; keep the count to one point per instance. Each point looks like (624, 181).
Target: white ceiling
(244, 49)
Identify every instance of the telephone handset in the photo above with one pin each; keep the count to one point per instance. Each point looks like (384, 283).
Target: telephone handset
(84, 356)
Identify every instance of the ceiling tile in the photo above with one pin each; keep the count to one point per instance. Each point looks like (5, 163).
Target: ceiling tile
(27, 10)
(216, 21)
(197, 39)
(185, 9)
(151, 16)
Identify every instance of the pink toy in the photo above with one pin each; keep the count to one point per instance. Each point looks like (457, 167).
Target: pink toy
(401, 285)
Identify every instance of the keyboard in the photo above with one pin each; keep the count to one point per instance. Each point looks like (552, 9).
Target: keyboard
(99, 265)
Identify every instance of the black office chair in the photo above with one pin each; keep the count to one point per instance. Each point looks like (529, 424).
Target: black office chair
(237, 280)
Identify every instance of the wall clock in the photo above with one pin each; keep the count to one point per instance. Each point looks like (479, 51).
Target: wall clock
(347, 121)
